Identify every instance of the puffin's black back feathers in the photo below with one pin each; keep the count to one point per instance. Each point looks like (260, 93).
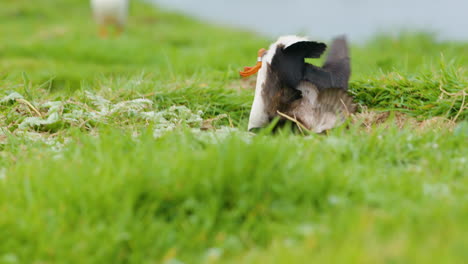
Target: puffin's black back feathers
(291, 68)
(335, 72)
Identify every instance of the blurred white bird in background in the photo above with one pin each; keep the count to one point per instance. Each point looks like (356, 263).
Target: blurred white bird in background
(110, 14)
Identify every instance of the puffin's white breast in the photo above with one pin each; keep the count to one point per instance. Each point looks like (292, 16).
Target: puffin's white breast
(258, 117)
(110, 10)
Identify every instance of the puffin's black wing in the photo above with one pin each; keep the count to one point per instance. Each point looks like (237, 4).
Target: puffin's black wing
(335, 72)
(288, 63)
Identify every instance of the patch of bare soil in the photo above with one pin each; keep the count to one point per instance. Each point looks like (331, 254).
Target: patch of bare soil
(372, 119)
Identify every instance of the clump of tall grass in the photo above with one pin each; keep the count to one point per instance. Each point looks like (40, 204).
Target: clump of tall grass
(430, 93)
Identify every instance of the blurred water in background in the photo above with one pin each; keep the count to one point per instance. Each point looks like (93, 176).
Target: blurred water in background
(359, 19)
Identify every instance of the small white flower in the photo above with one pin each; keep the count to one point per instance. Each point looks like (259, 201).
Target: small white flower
(437, 190)
(214, 254)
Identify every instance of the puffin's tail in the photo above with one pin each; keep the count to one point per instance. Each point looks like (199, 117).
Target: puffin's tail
(337, 62)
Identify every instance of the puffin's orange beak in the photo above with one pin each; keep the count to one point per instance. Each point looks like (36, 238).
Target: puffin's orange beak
(253, 70)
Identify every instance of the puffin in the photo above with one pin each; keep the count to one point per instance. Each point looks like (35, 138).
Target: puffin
(289, 88)
(110, 13)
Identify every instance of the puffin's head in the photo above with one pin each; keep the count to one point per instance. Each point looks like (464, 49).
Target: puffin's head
(281, 67)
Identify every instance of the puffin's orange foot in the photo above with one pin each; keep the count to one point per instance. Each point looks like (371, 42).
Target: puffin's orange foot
(103, 32)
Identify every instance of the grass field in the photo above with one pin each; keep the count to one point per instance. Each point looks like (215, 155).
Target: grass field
(134, 149)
